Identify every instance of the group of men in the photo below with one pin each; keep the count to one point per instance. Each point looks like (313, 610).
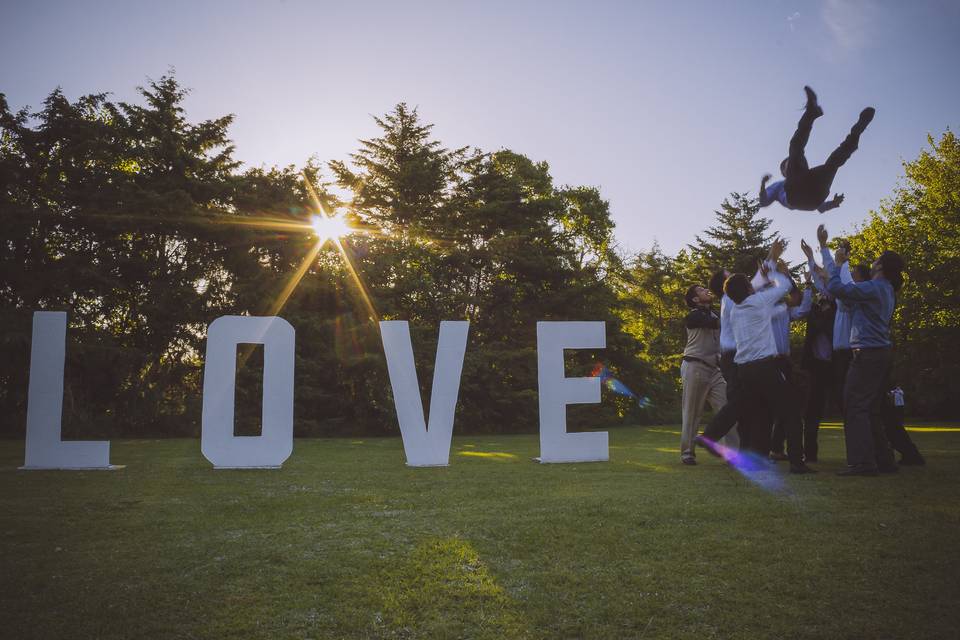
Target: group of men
(739, 361)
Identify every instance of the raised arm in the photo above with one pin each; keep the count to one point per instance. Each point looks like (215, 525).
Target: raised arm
(765, 199)
(812, 269)
(772, 295)
(831, 204)
(843, 290)
(802, 310)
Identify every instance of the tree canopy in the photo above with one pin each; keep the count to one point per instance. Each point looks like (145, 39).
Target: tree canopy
(143, 226)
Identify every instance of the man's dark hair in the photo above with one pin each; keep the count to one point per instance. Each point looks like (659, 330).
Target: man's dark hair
(716, 283)
(737, 287)
(690, 295)
(861, 270)
(893, 266)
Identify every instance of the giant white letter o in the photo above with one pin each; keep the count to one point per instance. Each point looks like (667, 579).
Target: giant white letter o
(275, 443)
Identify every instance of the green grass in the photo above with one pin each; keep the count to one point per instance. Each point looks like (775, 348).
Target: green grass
(346, 541)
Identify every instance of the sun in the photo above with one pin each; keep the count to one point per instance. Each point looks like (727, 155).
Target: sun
(329, 227)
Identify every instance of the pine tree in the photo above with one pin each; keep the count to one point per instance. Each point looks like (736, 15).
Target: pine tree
(736, 242)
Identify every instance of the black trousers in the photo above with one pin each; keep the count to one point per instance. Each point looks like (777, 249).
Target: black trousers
(778, 436)
(763, 384)
(863, 393)
(841, 364)
(808, 188)
(896, 433)
(731, 413)
(821, 379)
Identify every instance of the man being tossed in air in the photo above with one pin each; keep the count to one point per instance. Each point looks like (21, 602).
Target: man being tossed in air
(804, 188)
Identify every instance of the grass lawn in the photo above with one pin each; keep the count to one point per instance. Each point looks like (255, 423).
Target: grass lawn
(347, 542)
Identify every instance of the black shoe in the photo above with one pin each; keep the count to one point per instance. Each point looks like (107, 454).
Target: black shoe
(688, 460)
(801, 468)
(866, 117)
(812, 102)
(858, 470)
(913, 461)
(706, 444)
(811, 459)
(890, 467)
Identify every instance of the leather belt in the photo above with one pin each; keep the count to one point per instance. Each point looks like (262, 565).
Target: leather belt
(692, 359)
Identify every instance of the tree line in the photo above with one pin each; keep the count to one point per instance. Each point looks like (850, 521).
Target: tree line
(144, 228)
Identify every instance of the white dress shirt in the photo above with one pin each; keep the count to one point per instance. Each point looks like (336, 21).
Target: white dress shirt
(752, 321)
(727, 342)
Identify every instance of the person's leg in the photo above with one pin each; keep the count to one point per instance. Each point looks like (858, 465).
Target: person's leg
(898, 436)
(758, 419)
(777, 440)
(786, 410)
(693, 406)
(728, 369)
(883, 453)
(692, 401)
(777, 397)
(724, 419)
(797, 161)
(755, 426)
(841, 364)
(778, 435)
(717, 397)
(864, 381)
(842, 153)
(816, 400)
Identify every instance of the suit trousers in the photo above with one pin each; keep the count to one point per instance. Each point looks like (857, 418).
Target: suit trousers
(763, 384)
(863, 398)
(701, 383)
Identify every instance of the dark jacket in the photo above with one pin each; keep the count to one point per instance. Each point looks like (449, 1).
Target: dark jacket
(819, 321)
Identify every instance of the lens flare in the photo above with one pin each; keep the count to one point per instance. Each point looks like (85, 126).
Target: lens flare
(329, 227)
(611, 383)
(752, 466)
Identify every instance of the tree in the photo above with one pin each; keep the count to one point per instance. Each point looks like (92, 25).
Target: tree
(653, 311)
(736, 242)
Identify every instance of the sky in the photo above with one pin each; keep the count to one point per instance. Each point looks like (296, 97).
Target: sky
(667, 107)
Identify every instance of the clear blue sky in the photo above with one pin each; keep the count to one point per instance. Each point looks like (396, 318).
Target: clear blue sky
(666, 106)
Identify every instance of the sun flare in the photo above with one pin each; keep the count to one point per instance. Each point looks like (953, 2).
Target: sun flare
(329, 227)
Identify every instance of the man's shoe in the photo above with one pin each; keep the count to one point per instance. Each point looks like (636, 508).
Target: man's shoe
(801, 468)
(688, 460)
(777, 456)
(913, 461)
(858, 470)
(866, 117)
(706, 444)
(810, 459)
(812, 102)
(888, 468)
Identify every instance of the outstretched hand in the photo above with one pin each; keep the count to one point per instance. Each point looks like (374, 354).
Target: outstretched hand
(766, 178)
(807, 249)
(776, 249)
(763, 268)
(837, 199)
(822, 235)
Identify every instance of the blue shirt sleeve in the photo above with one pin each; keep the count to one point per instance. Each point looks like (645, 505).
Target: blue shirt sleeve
(774, 193)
